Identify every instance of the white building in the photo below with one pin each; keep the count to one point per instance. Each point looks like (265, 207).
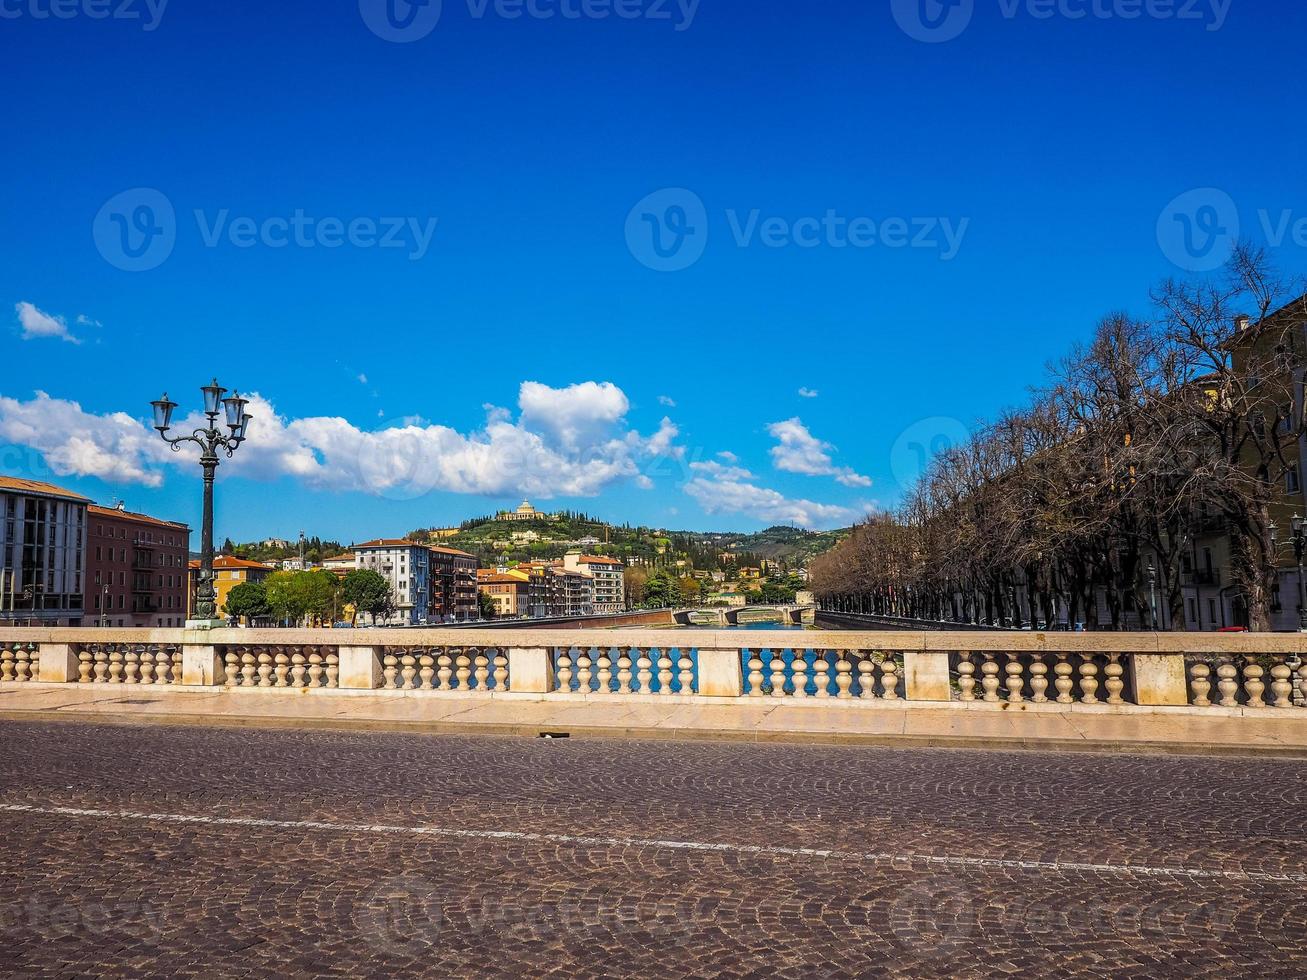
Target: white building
(607, 575)
(525, 512)
(407, 567)
(42, 554)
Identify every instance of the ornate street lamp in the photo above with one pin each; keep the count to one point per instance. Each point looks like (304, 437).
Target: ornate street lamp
(210, 439)
(1152, 592)
(1299, 542)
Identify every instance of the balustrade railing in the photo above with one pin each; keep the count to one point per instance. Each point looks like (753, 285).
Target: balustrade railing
(1201, 672)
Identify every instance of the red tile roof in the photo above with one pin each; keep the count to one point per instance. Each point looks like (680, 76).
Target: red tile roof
(36, 486)
(131, 516)
(232, 562)
(598, 560)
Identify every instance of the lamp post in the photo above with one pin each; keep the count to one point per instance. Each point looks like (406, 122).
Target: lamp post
(1299, 543)
(1152, 591)
(210, 438)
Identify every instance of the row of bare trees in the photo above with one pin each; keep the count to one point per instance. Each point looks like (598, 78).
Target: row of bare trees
(1156, 434)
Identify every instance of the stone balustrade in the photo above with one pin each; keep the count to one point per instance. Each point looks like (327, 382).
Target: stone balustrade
(1105, 671)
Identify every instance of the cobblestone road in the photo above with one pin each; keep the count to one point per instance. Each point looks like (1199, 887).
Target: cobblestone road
(218, 852)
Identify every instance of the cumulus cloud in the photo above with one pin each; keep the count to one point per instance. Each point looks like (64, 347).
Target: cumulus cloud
(38, 324)
(666, 401)
(808, 392)
(720, 471)
(566, 442)
(721, 495)
(799, 451)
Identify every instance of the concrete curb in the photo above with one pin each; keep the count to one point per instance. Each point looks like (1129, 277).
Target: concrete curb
(850, 739)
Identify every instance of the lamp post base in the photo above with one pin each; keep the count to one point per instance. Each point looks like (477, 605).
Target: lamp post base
(206, 624)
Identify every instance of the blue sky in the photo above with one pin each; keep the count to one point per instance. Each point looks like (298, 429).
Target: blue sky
(865, 241)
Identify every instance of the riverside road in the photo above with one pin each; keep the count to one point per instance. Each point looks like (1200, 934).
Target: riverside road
(135, 851)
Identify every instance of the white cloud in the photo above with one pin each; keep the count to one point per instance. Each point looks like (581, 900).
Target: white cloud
(729, 456)
(38, 324)
(666, 401)
(569, 442)
(720, 471)
(727, 496)
(808, 392)
(85, 321)
(363, 379)
(799, 451)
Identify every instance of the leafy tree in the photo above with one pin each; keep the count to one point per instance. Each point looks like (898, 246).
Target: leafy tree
(487, 605)
(662, 591)
(285, 601)
(369, 592)
(249, 601)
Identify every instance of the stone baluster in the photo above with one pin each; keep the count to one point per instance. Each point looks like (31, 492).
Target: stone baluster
(564, 670)
(644, 671)
(1199, 684)
(22, 664)
(821, 673)
(889, 678)
(843, 675)
(1253, 685)
(686, 668)
(799, 673)
(445, 671)
(605, 671)
(1038, 679)
(147, 666)
(131, 666)
(1302, 684)
(989, 677)
(101, 665)
(8, 657)
(1228, 684)
(231, 661)
(966, 677)
(1113, 681)
(755, 674)
(777, 674)
(584, 673)
(481, 670)
(315, 667)
(85, 665)
(1062, 680)
(866, 675)
(298, 668)
(249, 667)
(426, 670)
(34, 657)
(501, 670)
(163, 666)
(624, 671)
(265, 667)
(281, 668)
(665, 672)
(115, 665)
(463, 668)
(333, 668)
(408, 670)
(1281, 689)
(1015, 682)
(1088, 679)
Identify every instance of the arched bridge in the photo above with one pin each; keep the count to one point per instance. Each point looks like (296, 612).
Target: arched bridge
(736, 615)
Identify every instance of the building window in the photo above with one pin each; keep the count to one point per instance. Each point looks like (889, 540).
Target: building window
(1291, 483)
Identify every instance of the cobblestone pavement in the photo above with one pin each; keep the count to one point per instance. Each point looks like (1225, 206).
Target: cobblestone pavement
(221, 852)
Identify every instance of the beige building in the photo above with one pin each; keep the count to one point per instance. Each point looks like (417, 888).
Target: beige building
(607, 575)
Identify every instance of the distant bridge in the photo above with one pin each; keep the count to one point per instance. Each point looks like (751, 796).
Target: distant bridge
(794, 615)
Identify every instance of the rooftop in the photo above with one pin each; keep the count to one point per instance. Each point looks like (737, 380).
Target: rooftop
(19, 485)
(133, 516)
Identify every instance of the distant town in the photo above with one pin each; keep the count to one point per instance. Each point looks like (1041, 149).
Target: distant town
(69, 561)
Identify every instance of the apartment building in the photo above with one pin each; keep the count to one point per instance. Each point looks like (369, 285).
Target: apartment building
(453, 579)
(136, 569)
(609, 583)
(228, 572)
(406, 565)
(510, 592)
(42, 554)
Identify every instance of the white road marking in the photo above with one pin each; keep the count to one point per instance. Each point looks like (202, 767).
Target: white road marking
(903, 860)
